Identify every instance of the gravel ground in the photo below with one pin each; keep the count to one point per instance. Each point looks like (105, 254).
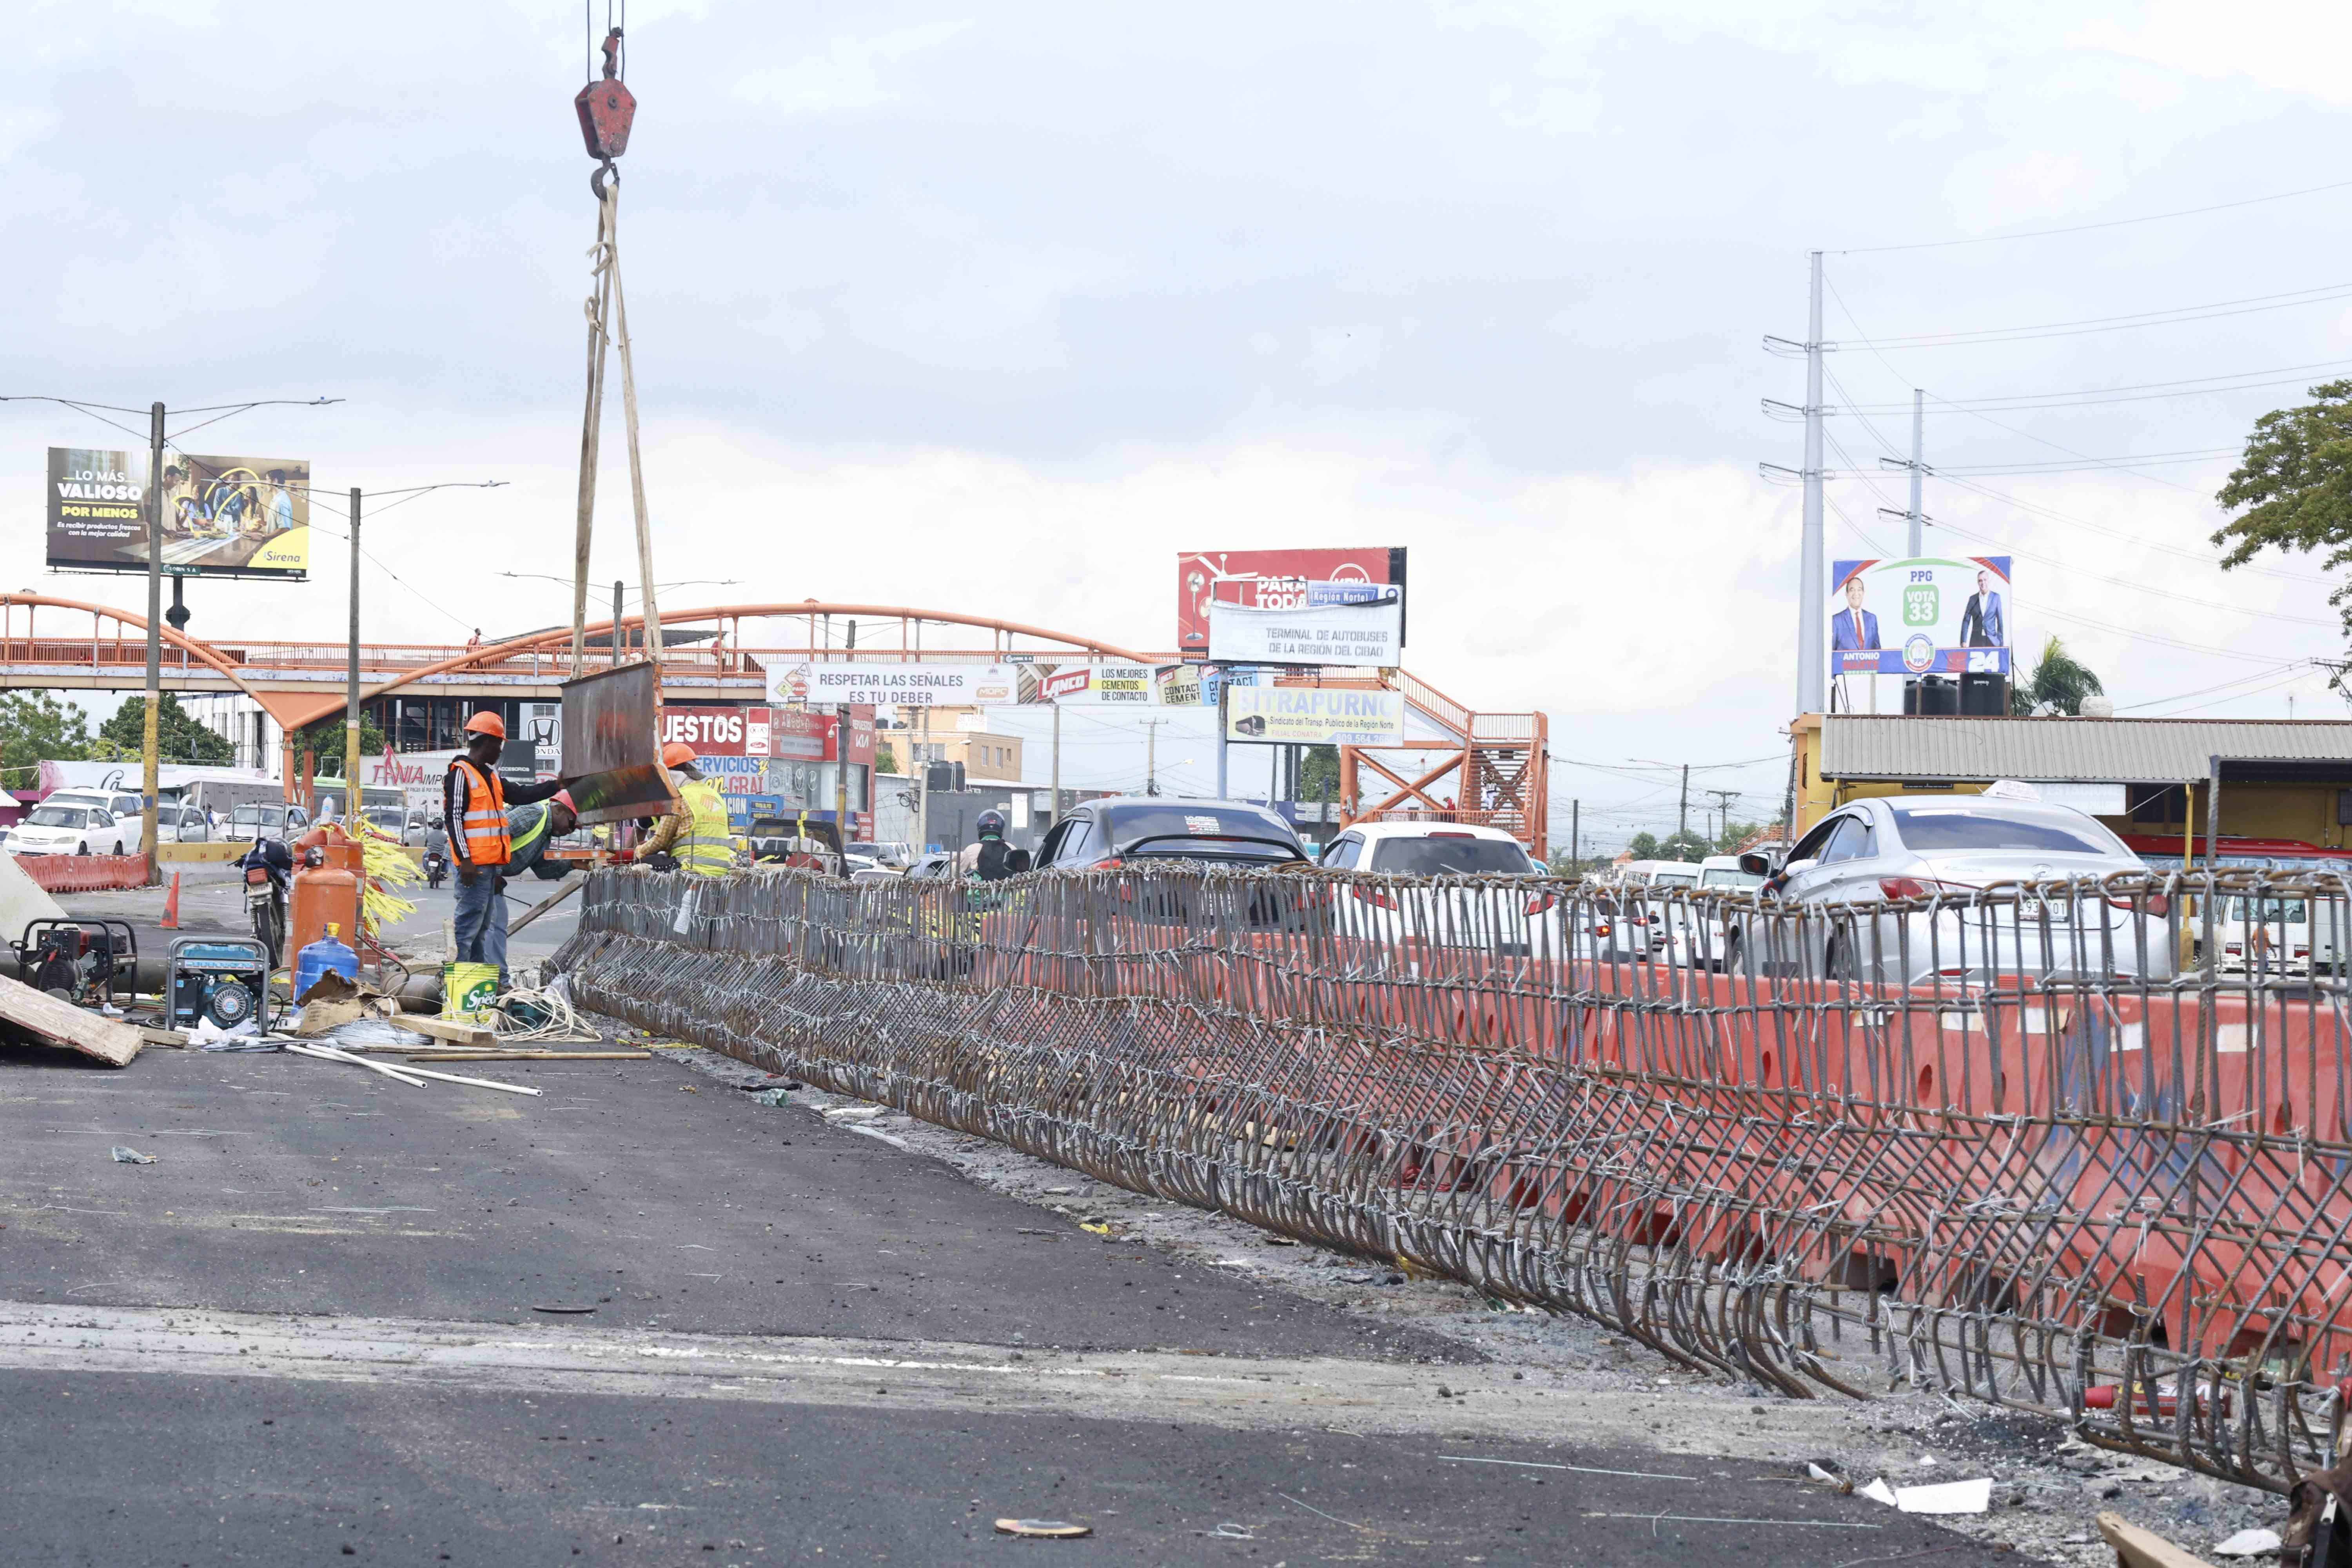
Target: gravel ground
(2048, 1487)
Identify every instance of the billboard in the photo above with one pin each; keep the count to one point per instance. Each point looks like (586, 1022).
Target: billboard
(1315, 716)
(1359, 623)
(790, 734)
(223, 517)
(827, 685)
(1931, 616)
(1090, 685)
(1270, 579)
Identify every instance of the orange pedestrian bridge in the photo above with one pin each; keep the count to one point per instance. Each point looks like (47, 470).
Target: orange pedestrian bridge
(1479, 767)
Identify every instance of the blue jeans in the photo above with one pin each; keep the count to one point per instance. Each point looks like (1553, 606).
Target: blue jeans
(482, 921)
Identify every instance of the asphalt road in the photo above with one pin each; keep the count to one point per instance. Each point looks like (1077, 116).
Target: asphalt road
(350, 1358)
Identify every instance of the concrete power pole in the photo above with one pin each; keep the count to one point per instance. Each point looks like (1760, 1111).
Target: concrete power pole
(1682, 818)
(1151, 755)
(351, 683)
(1812, 590)
(1723, 799)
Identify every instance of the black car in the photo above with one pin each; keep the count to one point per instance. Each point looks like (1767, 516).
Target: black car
(1101, 835)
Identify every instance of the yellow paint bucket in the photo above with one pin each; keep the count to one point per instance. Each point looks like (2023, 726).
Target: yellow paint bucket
(467, 990)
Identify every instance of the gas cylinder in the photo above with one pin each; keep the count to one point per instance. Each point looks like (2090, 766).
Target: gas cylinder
(329, 954)
(326, 889)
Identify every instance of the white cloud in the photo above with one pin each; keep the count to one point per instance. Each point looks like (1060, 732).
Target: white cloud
(847, 76)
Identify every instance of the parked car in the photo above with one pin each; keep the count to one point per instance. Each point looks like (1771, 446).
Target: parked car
(894, 855)
(935, 867)
(1889, 848)
(124, 806)
(177, 823)
(1495, 914)
(73, 828)
(1101, 835)
(251, 823)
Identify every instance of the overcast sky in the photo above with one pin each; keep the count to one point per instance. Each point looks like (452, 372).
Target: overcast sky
(995, 310)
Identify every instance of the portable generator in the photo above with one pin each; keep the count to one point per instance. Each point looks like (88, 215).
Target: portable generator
(220, 979)
(87, 962)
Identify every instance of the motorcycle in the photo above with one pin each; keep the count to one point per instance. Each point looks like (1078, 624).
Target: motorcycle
(269, 869)
(437, 866)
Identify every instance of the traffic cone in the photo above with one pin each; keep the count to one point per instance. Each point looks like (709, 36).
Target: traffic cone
(172, 905)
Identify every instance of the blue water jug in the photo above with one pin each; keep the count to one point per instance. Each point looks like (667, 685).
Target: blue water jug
(320, 957)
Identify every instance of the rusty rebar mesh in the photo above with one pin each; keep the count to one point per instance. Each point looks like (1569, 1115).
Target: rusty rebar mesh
(2080, 1149)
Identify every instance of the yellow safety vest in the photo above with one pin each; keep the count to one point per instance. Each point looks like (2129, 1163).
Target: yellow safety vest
(708, 848)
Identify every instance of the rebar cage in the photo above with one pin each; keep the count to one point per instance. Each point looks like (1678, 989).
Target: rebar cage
(2075, 1147)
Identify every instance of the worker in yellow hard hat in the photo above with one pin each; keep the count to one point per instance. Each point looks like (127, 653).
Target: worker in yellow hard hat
(475, 800)
(697, 834)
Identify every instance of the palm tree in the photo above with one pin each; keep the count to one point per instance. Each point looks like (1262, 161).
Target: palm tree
(2059, 679)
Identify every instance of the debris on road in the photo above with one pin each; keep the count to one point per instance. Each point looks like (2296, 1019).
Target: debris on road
(123, 1156)
(48, 1020)
(1945, 1497)
(2245, 1543)
(2137, 1548)
(1044, 1529)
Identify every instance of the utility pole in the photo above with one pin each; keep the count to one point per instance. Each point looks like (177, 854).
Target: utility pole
(1682, 819)
(150, 762)
(351, 684)
(1575, 838)
(1813, 591)
(615, 640)
(841, 766)
(1151, 754)
(1055, 815)
(1225, 705)
(1723, 799)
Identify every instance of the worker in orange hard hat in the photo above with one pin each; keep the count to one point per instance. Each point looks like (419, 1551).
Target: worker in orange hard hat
(696, 836)
(474, 799)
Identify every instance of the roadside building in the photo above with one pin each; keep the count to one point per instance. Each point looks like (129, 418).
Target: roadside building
(2282, 789)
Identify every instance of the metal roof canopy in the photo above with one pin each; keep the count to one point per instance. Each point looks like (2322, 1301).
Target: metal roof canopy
(1896, 748)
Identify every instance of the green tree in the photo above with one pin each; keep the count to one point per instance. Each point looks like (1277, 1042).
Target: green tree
(1736, 834)
(2296, 485)
(1684, 845)
(2058, 679)
(34, 727)
(1319, 774)
(886, 761)
(326, 738)
(1645, 846)
(178, 737)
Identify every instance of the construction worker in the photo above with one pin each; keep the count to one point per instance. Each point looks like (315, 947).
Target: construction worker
(698, 835)
(474, 802)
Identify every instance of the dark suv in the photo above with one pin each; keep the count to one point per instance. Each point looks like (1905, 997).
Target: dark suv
(1103, 834)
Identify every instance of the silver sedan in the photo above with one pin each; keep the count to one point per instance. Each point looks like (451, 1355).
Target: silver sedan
(1978, 886)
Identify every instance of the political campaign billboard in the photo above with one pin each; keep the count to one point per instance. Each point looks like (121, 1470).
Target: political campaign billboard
(1315, 716)
(1358, 624)
(1928, 616)
(1269, 579)
(223, 517)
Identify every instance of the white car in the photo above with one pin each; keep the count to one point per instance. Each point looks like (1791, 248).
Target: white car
(177, 823)
(120, 803)
(1498, 916)
(74, 828)
(1696, 935)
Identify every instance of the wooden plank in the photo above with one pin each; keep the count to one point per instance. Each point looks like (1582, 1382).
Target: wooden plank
(447, 1029)
(2137, 1548)
(59, 1023)
(175, 1038)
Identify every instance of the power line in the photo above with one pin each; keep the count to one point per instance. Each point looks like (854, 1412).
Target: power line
(2195, 386)
(2253, 304)
(2087, 227)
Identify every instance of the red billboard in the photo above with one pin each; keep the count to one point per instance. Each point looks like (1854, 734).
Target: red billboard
(1267, 579)
(791, 733)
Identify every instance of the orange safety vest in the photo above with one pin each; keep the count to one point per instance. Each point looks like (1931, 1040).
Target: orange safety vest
(484, 827)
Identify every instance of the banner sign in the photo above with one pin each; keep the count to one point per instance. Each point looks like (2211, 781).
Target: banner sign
(1925, 617)
(1090, 685)
(1315, 716)
(788, 734)
(1358, 624)
(223, 517)
(1269, 579)
(827, 685)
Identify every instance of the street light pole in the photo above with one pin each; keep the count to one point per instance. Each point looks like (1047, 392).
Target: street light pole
(150, 742)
